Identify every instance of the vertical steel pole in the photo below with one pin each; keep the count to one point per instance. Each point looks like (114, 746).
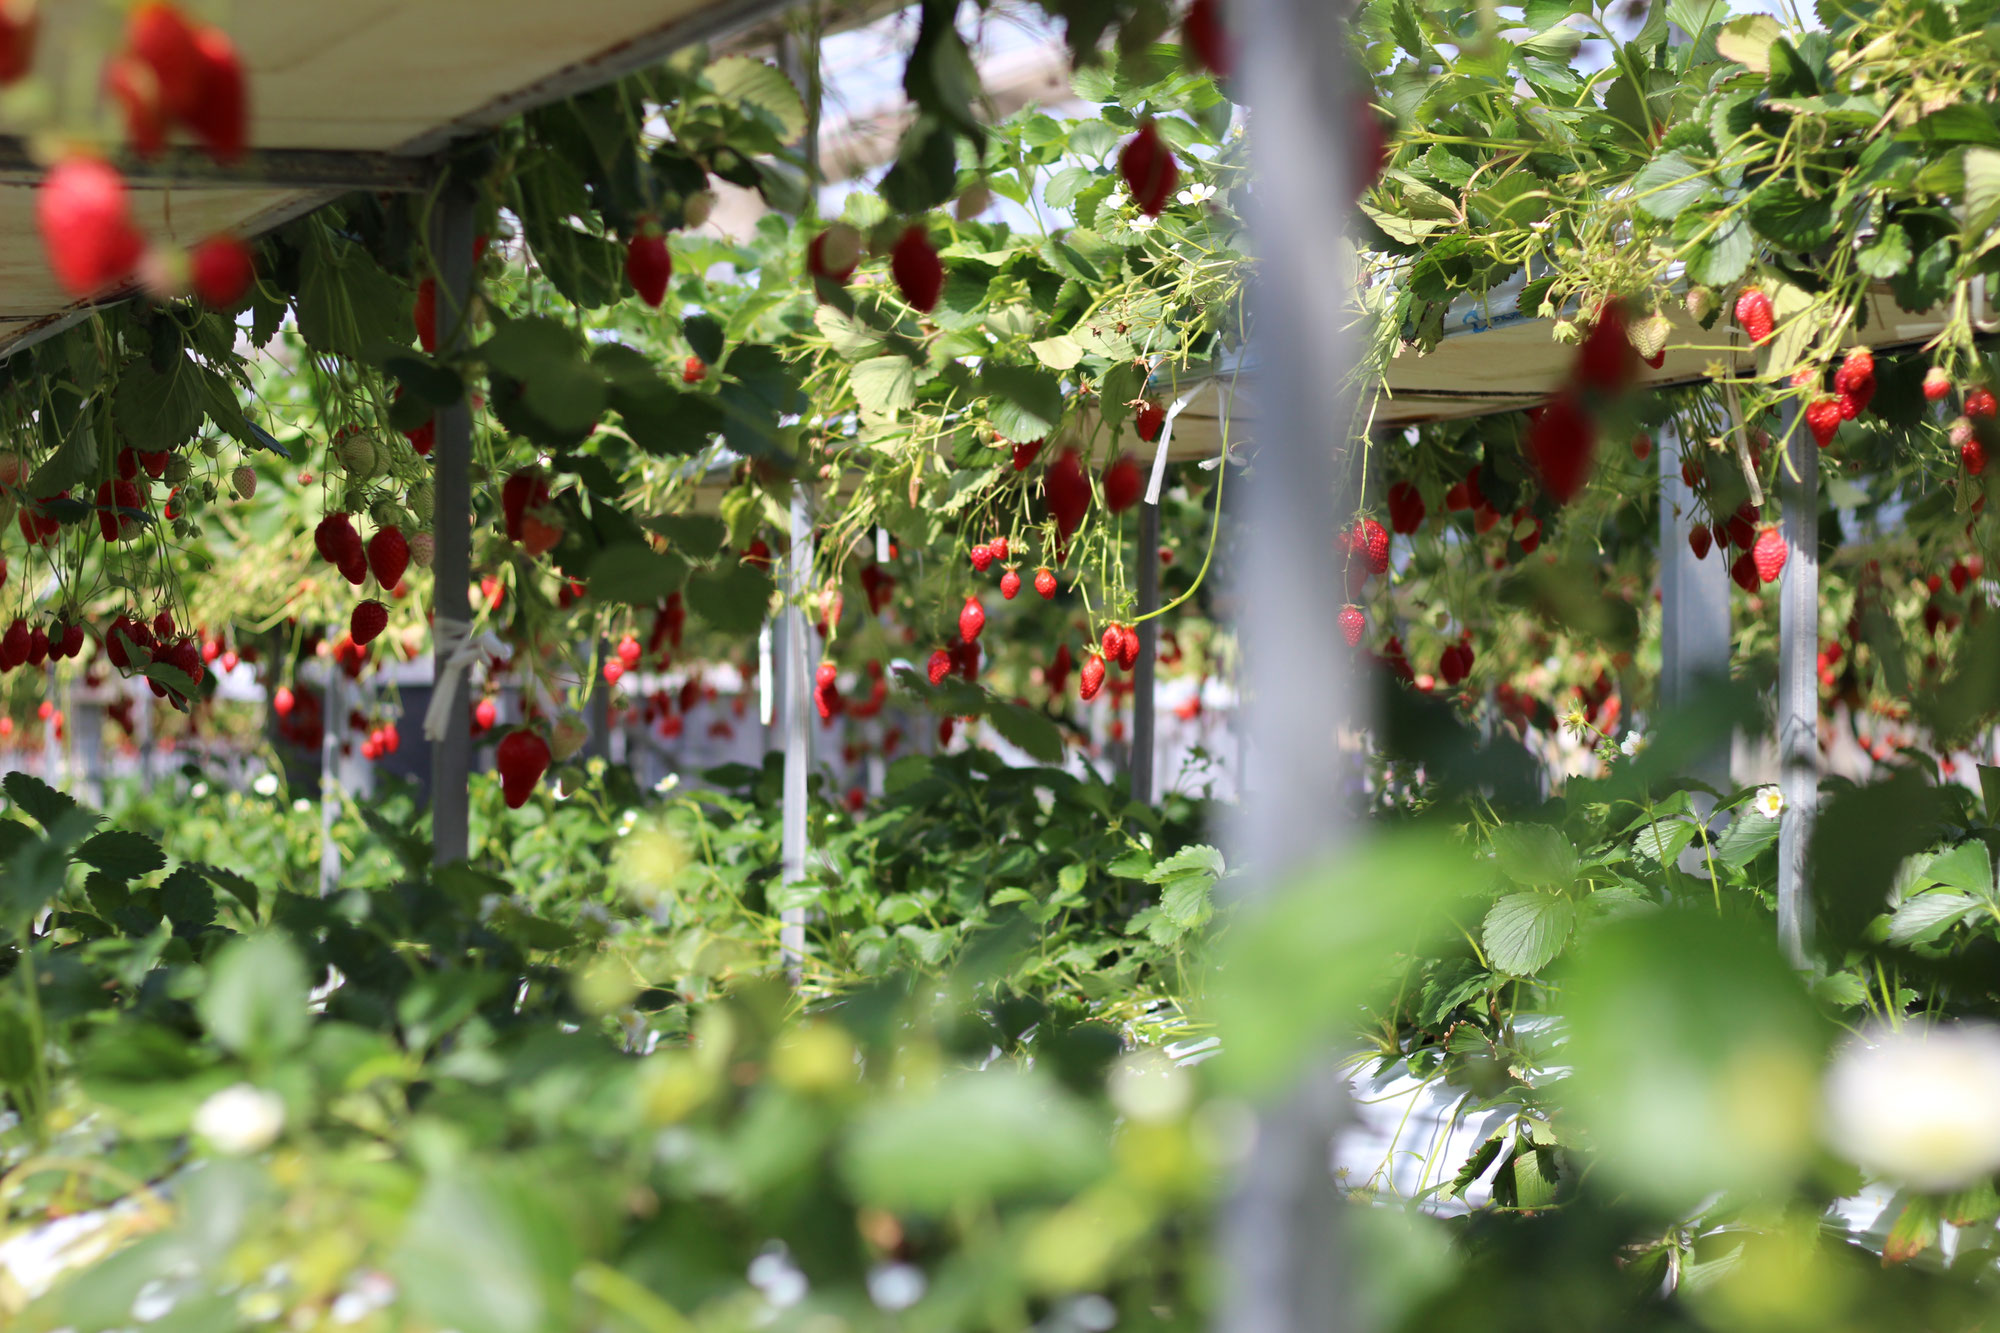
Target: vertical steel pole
(335, 717)
(1798, 687)
(1144, 678)
(1283, 1267)
(796, 674)
(1694, 603)
(799, 56)
(451, 756)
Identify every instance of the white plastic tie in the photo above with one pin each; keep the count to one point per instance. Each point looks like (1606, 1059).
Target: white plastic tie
(459, 648)
(766, 704)
(1166, 437)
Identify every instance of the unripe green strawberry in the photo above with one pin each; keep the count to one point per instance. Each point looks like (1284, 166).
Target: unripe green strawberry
(423, 547)
(421, 499)
(1700, 303)
(243, 480)
(211, 448)
(177, 470)
(357, 454)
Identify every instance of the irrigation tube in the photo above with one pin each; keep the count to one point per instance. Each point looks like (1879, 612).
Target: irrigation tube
(1285, 1267)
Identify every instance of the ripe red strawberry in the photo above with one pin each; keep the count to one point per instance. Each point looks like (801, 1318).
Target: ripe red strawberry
(155, 461)
(1352, 624)
(982, 558)
(1973, 454)
(1124, 483)
(283, 701)
(1642, 446)
(369, 619)
(85, 219)
(1010, 584)
(1744, 570)
(1699, 541)
(161, 39)
(918, 271)
(629, 652)
(1205, 38)
(1692, 474)
(1606, 361)
(388, 556)
(424, 312)
(522, 757)
(1531, 539)
(1823, 416)
(648, 266)
(1149, 169)
(353, 564)
(1857, 365)
(17, 40)
(1742, 528)
(333, 537)
(1045, 582)
(1979, 403)
(834, 254)
(1024, 454)
(1406, 507)
(72, 639)
(999, 547)
(1562, 440)
(1056, 674)
(965, 658)
(1091, 680)
(1068, 492)
(484, 714)
(1753, 312)
(220, 116)
(524, 490)
(1769, 555)
(1149, 419)
(1370, 540)
(939, 666)
(221, 270)
(1128, 647)
(1113, 643)
(1855, 382)
(1960, 576)
(1936, 383)
(14, 645)
(694, 371)
(138, 97)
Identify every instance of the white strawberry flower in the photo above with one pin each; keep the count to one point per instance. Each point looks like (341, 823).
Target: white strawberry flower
(1144, 223)
(1916, 1106)
(1200, 192)
(240, 1119)
(1634, 742)
(1768, 802)
(266, 784)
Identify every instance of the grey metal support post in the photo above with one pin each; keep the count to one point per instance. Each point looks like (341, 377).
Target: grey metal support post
(335, 716)
(451, 756)
(1144, 678)
(1284, 1267)
(796, 677)
(1798, 688)
(1694, 603)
